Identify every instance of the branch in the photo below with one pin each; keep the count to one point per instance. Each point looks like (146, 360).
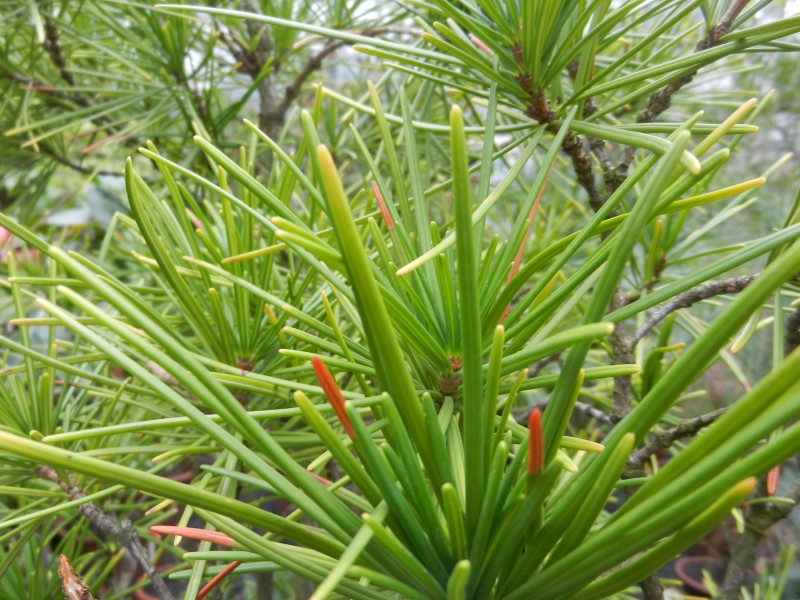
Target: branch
(792, 339)
(584, 168)
(734, 285)
(248, 61)
(760, 519)
(272, 109)
(124, 532)
(63, 160)
(314, 64)
(621, 354)
(762, 516)
(263, 50)
(71, 584)
(611, 178)
(594, 413)
(539, 109)
(78, 99)
(541, 364)
(651, 588)
(664, 439)
(661, 100)
(53, 47)
(587, 409)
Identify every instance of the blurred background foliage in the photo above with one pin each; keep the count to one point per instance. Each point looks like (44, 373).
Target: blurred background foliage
(84, 83)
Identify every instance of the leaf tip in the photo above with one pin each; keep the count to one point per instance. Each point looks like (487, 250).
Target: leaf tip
(333, 393)
(535, 443)
(773, 476)
(387, 216)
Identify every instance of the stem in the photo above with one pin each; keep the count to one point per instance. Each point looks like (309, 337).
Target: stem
(123, 532)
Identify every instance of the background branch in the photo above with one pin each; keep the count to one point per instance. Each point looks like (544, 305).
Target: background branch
(123, 532)
(760, 518)
(734, 285)
(661, 100)
(664, 439)
(53, 47)
(792, 339)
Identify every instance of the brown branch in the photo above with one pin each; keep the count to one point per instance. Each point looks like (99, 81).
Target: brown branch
(761, 516)
(651, 588)
(651, 585)
(573, 145)
(541, 364)
(253, 62)
(162, 374)
(274, 106)
(664, 439)
(611, 178)
(621, 354)
(71, 584)
(54, 50)
(539, 109)
(734, 285)
(587, 409)
(63, 160)
(257, 31)
(661, 100)
(77, 99)
(247, 60)
(792, 339)
(123, 532)
(759, 520)
(623, 388)
(314, 64)
(582, 407)
(584, 168)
